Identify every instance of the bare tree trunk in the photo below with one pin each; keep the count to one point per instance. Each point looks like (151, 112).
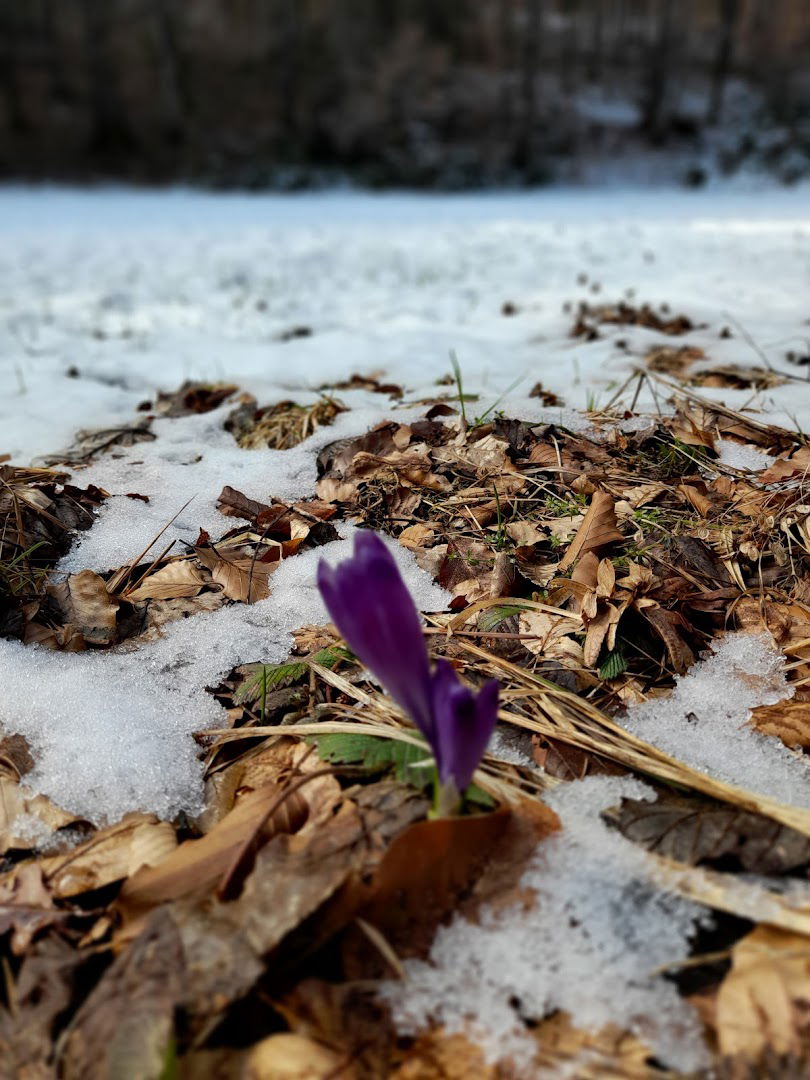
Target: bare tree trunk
(730, 11)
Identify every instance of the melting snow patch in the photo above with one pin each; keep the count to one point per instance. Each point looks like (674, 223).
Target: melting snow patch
(190, 462)
(743, 456)
(111, 732)
(704, 720)
(591, 944)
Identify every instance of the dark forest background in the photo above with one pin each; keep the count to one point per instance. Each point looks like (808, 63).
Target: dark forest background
(447, 93)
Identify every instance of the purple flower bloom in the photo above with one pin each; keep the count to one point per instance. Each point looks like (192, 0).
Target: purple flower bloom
(370, 604)
(462, 723)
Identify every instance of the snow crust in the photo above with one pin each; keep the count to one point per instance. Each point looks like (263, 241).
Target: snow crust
(111, 732)
(704, 720)
(590, 944)
(741, 456)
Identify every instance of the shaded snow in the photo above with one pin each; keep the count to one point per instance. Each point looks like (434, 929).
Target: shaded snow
(591, 944)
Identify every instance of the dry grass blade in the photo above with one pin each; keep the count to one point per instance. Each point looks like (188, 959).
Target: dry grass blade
(549, 710)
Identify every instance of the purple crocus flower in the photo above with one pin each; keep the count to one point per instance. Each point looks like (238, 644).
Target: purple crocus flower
(370, 604)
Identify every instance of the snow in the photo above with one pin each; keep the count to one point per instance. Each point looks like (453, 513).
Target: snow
(138, 291)
(742, 456)
(590, 944)
(111, 732)
(109, 295)
(704, 720)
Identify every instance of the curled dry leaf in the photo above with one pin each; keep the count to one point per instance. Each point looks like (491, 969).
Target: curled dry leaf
(550, 637)
(87, 605)
(26, 906)
(764, 1001)
(243, 578)
(111, 854)
(598, 529)
(197, 865)
(25, 817)
(288, 1056)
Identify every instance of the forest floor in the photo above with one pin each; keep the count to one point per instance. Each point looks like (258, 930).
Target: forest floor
(578, 422)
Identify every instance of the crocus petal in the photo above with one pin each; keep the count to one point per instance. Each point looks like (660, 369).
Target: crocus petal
(462, 724)
(370, 605)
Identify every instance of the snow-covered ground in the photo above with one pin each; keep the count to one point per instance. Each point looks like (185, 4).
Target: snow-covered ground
(108, 296)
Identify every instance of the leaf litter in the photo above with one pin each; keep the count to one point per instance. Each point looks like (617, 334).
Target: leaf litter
(230, 819)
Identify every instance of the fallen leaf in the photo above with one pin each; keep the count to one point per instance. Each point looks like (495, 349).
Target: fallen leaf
(550, 637)
(197, 865)
(288, 1056)
(695, 830)
(787, 720)
(23, 816)
(787, 468)
(438, 1055)
(180, 578)
(242, 578)
(87, 605)
(764, 1001)
(597, 530)
(111, 854)
(26, 906)
(126, 1026)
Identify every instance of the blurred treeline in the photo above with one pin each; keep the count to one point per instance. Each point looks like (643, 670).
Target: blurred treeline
(428, 92)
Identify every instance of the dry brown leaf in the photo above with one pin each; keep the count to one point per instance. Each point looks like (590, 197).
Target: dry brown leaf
(242, 578)
(197, 865)
(440, 1056)
(26, 905)
(764, 1001)
(88, 606)
(288, 1056)
(598, 529)
(787, 468)
(125, 1027)
(178, 579)
(667, 625)
(416, 536)
(609, 1054)
(696, 498)
(551, 638)
(787, 720)
(110, 855)
(697, 831)
(525, 533)
(17, 802)
(690, 433)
